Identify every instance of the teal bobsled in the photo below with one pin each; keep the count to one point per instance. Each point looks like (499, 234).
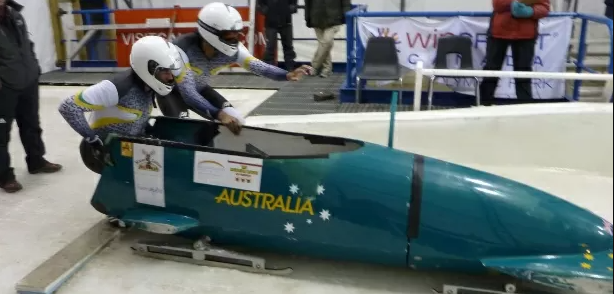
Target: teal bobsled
(342, 199)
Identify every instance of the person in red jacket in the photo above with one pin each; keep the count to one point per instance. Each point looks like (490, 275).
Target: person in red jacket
(514, 24)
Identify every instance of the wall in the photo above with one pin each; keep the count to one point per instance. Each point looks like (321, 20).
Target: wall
(596, 7)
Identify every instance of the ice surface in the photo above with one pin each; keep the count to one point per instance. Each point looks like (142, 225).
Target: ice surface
(568, 155)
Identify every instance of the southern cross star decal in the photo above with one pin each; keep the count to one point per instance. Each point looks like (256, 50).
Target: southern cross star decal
(324, 214)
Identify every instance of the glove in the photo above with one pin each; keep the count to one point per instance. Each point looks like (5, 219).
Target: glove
(234, 113)
(95, 143)
(98, 149)
(521, 10)
(229, 121)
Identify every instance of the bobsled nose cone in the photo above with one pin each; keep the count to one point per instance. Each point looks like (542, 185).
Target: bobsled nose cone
(545, 221)
(521, 218)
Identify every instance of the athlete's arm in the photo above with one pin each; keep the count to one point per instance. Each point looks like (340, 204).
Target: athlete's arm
(186, 83)
(97, 97)
(259, 67)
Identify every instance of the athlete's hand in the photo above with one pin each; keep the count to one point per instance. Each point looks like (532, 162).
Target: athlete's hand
(298, 73)
(232, 123)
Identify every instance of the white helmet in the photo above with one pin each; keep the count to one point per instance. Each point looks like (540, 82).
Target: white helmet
(214, 20)
(149, 56)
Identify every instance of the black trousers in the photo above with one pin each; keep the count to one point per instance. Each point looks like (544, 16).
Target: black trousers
(21, 106)
(286, 33)
(523, 52)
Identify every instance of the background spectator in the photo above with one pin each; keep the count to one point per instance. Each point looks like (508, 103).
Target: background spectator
(278, 14)
(513, 24)
(326, 18)
(608, 8)
(19, 99)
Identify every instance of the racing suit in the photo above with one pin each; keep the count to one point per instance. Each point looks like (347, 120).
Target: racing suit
(120, 105)
(193, 89)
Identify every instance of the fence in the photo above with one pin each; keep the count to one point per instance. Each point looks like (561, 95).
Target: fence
(355, 49)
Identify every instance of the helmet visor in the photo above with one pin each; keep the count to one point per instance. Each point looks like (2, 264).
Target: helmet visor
(228, 37)
(164, 74)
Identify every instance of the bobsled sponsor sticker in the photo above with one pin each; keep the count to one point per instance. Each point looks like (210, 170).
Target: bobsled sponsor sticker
(149, 174)
(126, 149)
(244, 173)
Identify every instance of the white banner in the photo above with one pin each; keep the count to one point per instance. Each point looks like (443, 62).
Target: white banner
(149, 174)
(417, 41)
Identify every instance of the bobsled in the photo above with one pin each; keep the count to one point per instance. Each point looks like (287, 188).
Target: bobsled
(341, 199)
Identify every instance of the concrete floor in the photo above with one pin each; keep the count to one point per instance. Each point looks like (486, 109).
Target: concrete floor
(568, 154)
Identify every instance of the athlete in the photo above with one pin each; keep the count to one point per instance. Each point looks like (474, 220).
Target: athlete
(214, 47)
(123, 103)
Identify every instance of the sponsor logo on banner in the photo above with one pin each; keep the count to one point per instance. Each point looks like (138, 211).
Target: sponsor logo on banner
(149, 174)
(229, 171)
(148, 163)
(385, 32)
(417, 40)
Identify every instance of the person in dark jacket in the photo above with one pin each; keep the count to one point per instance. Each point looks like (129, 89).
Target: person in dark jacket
(278, 20)
(326, 18)
(608, 8)
(19, 97)
(513, 24)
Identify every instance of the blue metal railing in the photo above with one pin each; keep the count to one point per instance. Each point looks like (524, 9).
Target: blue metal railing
(86, 17)
(355, 48)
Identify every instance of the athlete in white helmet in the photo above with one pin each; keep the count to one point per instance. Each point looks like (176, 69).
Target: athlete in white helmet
(122, 103)
(214, 47)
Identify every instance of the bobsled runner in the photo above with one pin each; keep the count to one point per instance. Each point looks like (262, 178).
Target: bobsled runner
(341, 199)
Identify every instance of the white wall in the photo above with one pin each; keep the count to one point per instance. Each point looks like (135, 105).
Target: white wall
(37, 18)
(596, 7)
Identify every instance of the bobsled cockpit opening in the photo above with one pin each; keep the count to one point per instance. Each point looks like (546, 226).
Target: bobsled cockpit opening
(278, 144)
(255, 141)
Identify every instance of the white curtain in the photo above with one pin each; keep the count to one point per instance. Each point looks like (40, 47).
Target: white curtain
(38, 21)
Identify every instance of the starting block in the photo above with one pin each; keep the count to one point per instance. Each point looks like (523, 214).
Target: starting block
(55, 271)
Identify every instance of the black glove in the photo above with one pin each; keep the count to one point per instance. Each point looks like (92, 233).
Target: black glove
(94, 154)
(99, 150)
(97, 146)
